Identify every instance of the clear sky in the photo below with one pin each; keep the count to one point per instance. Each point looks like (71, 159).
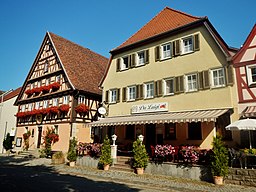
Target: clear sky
(100, 25)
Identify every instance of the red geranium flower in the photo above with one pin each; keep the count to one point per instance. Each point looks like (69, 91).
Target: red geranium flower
(64, 108)
(29, 91)
(54, 110)
(82, 109)
(37, 90)
(55, 86)
(46, 88)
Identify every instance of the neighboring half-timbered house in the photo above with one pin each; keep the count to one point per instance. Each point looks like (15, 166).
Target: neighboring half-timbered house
(245, 66)
(60, 92)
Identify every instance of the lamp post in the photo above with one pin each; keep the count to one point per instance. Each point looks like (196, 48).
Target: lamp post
(141, 137)
(114, 137)
(114, 149)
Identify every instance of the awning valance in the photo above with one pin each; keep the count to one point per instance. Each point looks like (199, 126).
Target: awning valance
(171, 117)
(249, 111)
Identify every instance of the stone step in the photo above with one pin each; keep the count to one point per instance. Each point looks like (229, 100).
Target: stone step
(125, 168)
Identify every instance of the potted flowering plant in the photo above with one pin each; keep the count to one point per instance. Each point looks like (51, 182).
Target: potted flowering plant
(26, 140)
(29, 92)
(82, 109)
(45, 89)
(49, 139)
(163, 151)
(37, 90)
(53, 110)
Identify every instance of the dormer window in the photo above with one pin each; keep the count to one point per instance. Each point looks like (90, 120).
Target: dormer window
(46, 66)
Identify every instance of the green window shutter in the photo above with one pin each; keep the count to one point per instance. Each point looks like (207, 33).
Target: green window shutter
(177, 86)
(106, 96)
(196, 42)
(206, 79)
(156, 88)
(117, 95)
(229, 75)
(124, 94)
(137, 92)
(200, 80)
(147, 56)
(133, 60)
(177, 48)
(141, 91)
(118, 64)
(181, 82)
(160, 88)
(157, 53)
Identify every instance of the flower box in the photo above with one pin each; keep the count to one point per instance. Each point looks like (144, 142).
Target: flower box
(64, 108)
(55, 86)
(46, 89)
(29, 92)
(82, 109)
(53, 110)
(37, 90)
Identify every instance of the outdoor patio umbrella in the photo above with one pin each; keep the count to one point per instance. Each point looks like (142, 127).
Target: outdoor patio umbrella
(243, 124)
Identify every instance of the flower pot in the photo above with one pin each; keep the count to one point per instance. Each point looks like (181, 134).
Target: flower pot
(218, 180)
(140, 171)
(58, 161)
(72, 163)
(106, 167)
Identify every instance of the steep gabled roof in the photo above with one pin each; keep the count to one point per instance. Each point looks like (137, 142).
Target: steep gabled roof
(168, 19)
(83, 67)
(247, 44)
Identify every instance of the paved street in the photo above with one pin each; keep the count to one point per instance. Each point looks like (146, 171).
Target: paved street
(39, 175)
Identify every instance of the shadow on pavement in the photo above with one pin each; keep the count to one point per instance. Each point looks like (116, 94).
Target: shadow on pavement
(15, 177)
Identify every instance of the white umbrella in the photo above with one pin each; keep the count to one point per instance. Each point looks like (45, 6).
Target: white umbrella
(243, 124)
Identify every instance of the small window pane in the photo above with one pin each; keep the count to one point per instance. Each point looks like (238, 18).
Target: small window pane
(131, 93)
(149, 90)
(169, 89)
(141, 58)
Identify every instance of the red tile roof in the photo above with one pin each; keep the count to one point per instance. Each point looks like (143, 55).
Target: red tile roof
(10, 95)
(84, 67)
(168, 19)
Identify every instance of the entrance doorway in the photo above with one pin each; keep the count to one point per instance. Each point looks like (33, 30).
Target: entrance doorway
(150, 136)
(39, 137)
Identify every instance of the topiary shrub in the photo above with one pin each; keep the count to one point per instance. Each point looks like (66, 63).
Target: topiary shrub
(140, 155)
(72, 155)
(7, 143)
(105, 158)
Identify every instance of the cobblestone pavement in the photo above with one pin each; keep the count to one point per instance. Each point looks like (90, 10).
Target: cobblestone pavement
(143, 183)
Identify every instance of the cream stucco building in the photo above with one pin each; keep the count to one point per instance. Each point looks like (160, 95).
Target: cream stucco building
(172, 81)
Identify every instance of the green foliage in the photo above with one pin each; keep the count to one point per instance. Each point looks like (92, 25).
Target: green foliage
(105, 158)
(58, 155)
(26, 140)
(72, 155)
(219, 157)
(49, 139)
(7, 143)
(140, 155)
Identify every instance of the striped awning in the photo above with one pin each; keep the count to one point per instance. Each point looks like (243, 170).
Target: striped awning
(171, 117)
(249, 111)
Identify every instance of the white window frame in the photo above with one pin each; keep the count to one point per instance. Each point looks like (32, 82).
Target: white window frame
(46, 66)
(66, 99)
(48, 81)
(187, 48)
(123, 65)
(166, 53)
(131, 93)
(249, 74)
(45, 104)
(37, 105)
(141, 60)
(23, 108)
(166, 88)
(81, 99)
(30, 106)
(149, 90)
(218, 81)
(191, 83)
(55, 101)
(113, 95)
(57, 79)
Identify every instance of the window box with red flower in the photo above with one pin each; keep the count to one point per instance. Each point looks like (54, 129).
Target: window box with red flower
(46, 89)
(54, 110)
(29, 92)
(64, 108)
(37, 90)
(55, 86)
(82, 109)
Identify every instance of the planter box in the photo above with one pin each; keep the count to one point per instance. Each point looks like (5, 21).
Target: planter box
(58, 161)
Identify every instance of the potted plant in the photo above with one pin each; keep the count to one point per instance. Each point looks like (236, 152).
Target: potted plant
(7, 143)
(82, 109)
(105, 158)
(72, 152)
(219, 160)
(58, 158)
(140, 156)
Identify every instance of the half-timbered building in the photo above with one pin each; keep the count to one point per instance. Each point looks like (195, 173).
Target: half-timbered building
(245, 66)
(172, 81)
(60, 92)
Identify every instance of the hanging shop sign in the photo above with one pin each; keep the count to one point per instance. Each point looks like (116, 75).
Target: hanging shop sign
(149, 108)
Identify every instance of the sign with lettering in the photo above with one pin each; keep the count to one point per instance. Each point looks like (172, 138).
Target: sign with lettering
(151, 107)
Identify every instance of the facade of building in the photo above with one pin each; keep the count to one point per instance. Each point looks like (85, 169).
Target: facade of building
(172, 81)
(60, 92)
(7, 115)
(245, 67)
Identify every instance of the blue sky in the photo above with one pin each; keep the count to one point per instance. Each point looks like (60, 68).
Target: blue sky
(100, 25)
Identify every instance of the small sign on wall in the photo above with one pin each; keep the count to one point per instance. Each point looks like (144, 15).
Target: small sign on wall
(151, 107)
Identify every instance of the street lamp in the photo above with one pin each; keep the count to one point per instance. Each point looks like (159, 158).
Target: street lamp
(141, 137)
(114, 137)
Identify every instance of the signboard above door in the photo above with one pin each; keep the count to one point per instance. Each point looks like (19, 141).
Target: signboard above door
(149, 108)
